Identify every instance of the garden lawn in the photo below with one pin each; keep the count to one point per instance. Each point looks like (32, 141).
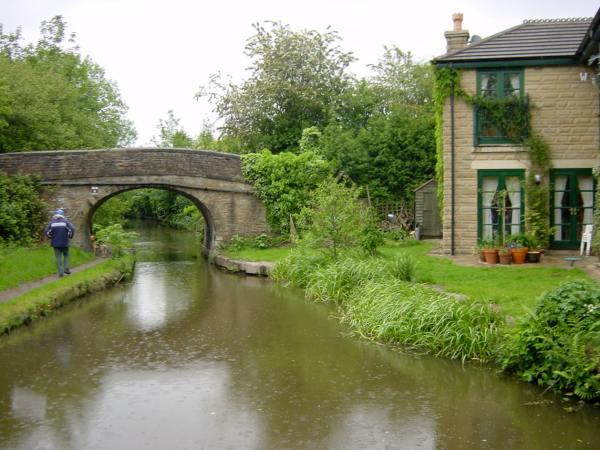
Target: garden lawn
(21, 264)
(515, 289)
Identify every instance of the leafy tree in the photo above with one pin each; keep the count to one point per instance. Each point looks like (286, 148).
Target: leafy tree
(392, 154)
(335, 219)
(401, 79)
(297, 78)
(383, 134)
(21, 209)
(53, 98)
(284, 182)
(172, 135)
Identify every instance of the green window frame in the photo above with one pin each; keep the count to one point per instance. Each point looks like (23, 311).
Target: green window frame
(499, 84)
(500, 203)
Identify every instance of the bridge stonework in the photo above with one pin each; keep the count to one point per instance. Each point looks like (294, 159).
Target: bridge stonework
(79, 181)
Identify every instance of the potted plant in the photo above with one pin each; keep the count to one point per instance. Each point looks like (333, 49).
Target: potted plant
(482, 246)
(519, 246)
(504, 255)
(535, 251)
(490, 252)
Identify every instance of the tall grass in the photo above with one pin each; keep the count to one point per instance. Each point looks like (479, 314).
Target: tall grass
(424, 319)
(375, 298)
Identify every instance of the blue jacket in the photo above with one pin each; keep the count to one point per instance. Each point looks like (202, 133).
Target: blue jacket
(60, 230)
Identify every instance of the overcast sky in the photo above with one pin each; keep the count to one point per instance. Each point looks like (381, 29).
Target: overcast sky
(160, 51)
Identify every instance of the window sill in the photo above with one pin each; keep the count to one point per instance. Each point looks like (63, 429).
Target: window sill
(499, 148)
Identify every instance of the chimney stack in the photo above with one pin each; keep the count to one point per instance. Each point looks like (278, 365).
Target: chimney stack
(457, 38)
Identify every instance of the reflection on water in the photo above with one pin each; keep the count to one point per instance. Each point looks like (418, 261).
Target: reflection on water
(185, 356)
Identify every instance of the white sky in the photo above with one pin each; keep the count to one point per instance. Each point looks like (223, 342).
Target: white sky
(160, 51)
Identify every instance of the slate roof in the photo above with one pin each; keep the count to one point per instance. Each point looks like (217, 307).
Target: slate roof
(533, 39)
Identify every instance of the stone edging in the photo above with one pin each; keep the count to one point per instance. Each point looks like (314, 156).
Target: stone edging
(260, 268)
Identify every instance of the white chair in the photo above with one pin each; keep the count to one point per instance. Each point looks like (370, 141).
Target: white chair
(586, 240)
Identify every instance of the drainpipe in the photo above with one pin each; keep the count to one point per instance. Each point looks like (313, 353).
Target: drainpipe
(452, 174)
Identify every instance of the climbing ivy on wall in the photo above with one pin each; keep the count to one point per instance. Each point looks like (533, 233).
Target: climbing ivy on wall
(446, 81)
(513, 116)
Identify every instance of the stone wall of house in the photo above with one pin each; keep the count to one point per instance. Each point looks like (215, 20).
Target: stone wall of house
(565, 113)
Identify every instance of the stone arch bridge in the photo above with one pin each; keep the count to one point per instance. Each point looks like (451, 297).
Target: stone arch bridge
(79, 181)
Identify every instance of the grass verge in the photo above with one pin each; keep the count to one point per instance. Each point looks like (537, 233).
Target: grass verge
(42, 301)
(514, 289)
(21, 264)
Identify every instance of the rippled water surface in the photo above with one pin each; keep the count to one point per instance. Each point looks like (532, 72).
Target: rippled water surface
(187, 357)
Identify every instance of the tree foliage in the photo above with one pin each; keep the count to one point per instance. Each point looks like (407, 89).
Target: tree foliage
(334, 219)
(53, 98)
(284, 182)
(296, 79)
(172, 134)
(21, 209)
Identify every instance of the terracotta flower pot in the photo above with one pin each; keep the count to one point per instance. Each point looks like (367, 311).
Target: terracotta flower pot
(519, 254)
(491, 255)
(505, 258)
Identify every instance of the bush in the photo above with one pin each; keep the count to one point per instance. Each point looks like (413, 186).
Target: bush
(21, 210)
(116, 239)
(558, 346)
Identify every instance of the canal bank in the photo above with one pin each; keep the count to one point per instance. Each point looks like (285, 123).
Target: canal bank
(27, 303)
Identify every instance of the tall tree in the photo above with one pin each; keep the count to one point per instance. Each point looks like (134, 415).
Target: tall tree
(171, 134)
(296, 79)
(53, 98)
(383, 135)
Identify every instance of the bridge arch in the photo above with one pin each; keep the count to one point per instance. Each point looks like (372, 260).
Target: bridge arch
(79, 181)
(209, 228)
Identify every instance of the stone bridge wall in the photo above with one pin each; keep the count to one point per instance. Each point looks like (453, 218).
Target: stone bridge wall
(80, 181)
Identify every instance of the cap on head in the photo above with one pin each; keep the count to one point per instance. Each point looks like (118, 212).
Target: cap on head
(59, 212)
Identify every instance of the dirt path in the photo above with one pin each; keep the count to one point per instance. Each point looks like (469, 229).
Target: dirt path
(25, 287)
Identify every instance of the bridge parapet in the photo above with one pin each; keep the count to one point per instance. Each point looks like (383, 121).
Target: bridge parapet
(73, 164)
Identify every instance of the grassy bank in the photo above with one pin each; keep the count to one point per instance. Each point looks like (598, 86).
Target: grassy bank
(42, 301)
(514, 289)
(21, 264)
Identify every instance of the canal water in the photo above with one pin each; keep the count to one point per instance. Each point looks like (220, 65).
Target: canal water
(187, 357)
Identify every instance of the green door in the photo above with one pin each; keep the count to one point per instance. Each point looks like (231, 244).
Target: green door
(572, 200)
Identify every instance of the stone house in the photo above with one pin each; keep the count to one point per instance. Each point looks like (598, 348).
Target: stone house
(548, 60)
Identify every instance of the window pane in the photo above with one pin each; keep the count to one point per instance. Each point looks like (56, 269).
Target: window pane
(489, 82)
(512, 86)
(487, 128)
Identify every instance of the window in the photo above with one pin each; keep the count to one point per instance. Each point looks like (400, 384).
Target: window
(500, 203)
(498, 84)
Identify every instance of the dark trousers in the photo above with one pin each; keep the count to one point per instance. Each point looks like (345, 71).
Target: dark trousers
(62, 265)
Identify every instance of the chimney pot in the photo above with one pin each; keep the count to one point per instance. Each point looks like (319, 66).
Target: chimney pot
(457, 18)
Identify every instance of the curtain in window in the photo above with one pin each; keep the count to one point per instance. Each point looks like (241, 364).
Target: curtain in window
(560, 183)
(511, 84)
(586, 186)
(513, 188)
(490, 185)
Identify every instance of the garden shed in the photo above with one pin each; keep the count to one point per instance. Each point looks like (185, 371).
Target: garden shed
(427, 213)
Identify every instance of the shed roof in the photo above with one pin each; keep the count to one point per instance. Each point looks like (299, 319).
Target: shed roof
(421, 186)
(533, 39)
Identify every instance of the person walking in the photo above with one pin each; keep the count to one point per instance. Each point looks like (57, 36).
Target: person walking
(60, 231)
